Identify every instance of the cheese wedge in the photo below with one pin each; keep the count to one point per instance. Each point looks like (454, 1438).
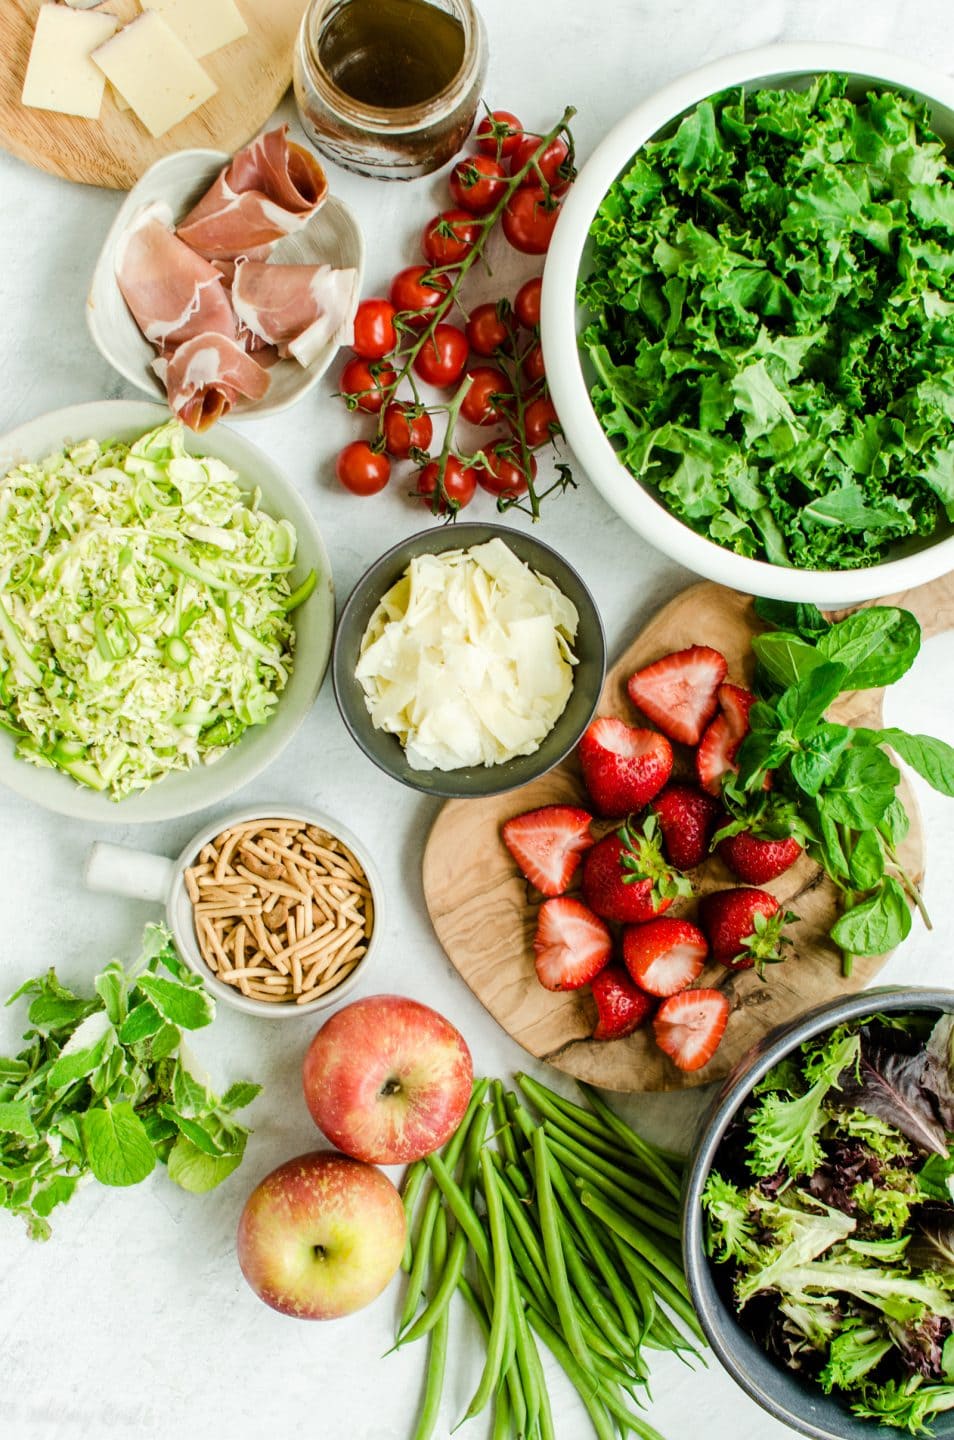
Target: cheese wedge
(154, 72)
(60, 75)
(201, 25)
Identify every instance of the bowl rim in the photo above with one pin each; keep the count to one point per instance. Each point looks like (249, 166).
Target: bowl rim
(185, 938)
(710, 1131)
(459, 536)
(145, 807)
(627, 496)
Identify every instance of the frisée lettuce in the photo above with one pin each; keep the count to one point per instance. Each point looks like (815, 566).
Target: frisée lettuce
(144, 609)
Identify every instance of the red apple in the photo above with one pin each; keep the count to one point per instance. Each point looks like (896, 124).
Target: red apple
(387, 1079)
(321, 1236)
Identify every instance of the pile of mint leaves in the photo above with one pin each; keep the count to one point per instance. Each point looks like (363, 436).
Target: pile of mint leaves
(105, 1087)
(771, 303)
(834, 786)
(829, 1215)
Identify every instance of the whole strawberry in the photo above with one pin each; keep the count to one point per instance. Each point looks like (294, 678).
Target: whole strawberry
(623, 767)
(756, 861)
(627, 878)
(687, 818)
(744, 927)
(621, 1006)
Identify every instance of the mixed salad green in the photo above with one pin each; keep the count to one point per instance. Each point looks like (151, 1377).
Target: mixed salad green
(144, 609)
(830, 1216)
(771, 299)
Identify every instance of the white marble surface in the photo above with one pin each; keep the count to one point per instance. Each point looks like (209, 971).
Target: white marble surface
(133, 1321)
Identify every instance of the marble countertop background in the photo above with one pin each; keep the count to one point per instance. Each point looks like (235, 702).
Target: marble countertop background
(134, 1321)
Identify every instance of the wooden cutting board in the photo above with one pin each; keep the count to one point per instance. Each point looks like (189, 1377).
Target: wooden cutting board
(252, 74)
(482, 910)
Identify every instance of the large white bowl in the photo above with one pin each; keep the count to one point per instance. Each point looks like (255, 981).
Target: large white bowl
(186, 790)
(791, 66)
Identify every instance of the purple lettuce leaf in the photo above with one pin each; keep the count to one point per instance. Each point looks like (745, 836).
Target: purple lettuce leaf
(893, 1087)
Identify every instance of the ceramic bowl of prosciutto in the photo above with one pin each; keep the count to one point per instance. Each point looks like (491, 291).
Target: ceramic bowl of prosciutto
(227, 283)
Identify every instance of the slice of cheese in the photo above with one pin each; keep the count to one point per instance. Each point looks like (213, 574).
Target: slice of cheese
(201, 25)
(60, 75)
(154, 72)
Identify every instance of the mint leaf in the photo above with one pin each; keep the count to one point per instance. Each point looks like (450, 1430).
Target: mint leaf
(932, 759)
(189, 1006)
(876, 646)
(875, 925)
(189, 1096)
(806, 620)
(237, 1096)
(785, 657)
(802, 706)
(196, 1171)
(862, 789)
(16, 1119)
(117, 1145)
(110, 986)
(140, 1023)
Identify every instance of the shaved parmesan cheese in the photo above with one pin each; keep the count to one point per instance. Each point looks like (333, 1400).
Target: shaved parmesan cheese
(468, 659)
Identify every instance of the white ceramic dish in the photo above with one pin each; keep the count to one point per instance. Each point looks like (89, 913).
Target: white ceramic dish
(141, 875)
(332, 237)
(187, 790)
(780, 66)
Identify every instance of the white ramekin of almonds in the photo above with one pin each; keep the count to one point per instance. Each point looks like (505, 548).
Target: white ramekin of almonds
(276, 908)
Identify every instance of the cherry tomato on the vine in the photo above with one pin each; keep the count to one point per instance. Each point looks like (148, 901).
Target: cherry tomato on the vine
(504, 475)
(460, 484)
(528, 220)
(479, 405)
(368, 385)
(540, 422)
(526, 303)
(416, 294)
(485, 329)
(532, 368)
(374, 333)
(443, 356)
(362, 470)
(406, 428)
(553, 163)
(477, 183)
(499, 133)
(449, 238)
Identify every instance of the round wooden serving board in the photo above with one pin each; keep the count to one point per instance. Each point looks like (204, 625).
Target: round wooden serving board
(252, 74)
(484, 914)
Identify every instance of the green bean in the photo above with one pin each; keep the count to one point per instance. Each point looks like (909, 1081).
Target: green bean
(553, 1249)
(636, 1190)
(524, 1350)
(501, 1319)
(588, 1294)
(545, 1418)
(503, 1420)
(509, 1373)
(414, 1178)
(639, 1282)
(505, 1140)
(622, 1413)
(582, 1125)
(636, 1239)
(462, 1210)
(649, 1155)
(436, 1351)
(581, 1378)
(518, 1180)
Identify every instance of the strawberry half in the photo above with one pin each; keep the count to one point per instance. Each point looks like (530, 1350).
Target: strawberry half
(622, 1006)
(664, 956)
(720, 743)
(687, 818)
(690, 1026)
(744, 927)
(626, 877)
(679, 693)
(548, 845)
(623, 767)
(756, 861)
(571, 944)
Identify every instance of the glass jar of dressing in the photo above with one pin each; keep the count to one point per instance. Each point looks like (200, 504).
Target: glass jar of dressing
(389, 87)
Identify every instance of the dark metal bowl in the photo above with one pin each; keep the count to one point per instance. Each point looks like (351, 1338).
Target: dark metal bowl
(385, 749)
(795, 1402)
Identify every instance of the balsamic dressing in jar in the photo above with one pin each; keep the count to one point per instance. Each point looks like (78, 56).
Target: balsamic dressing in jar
(391, 53)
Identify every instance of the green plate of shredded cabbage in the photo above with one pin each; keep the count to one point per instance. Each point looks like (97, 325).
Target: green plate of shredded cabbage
(150, 605)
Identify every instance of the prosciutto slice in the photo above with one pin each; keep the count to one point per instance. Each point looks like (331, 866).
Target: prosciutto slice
(172, 292)
(269, 189)
(205, 376)
(298, 308)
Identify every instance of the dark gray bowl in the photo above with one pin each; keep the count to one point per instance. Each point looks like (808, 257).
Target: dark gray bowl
(795, 1402)
(386, 750)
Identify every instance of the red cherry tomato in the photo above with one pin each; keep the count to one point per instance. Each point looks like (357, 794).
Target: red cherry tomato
(485, 329)
(540, 422)
(499, 133)
(526, 303)
(532, 369)
(460, 485)
(503, 475)
(374, 333)
(362, 470)
(528, 220)
(367, 384)
(417, 298)
(479, 405)
(553, 163)
(406, 428)
(443, 356)
(449, 238)
(477, 183)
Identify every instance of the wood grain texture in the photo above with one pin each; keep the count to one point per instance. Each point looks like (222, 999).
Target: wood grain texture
(252, 74)
(485, 918)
